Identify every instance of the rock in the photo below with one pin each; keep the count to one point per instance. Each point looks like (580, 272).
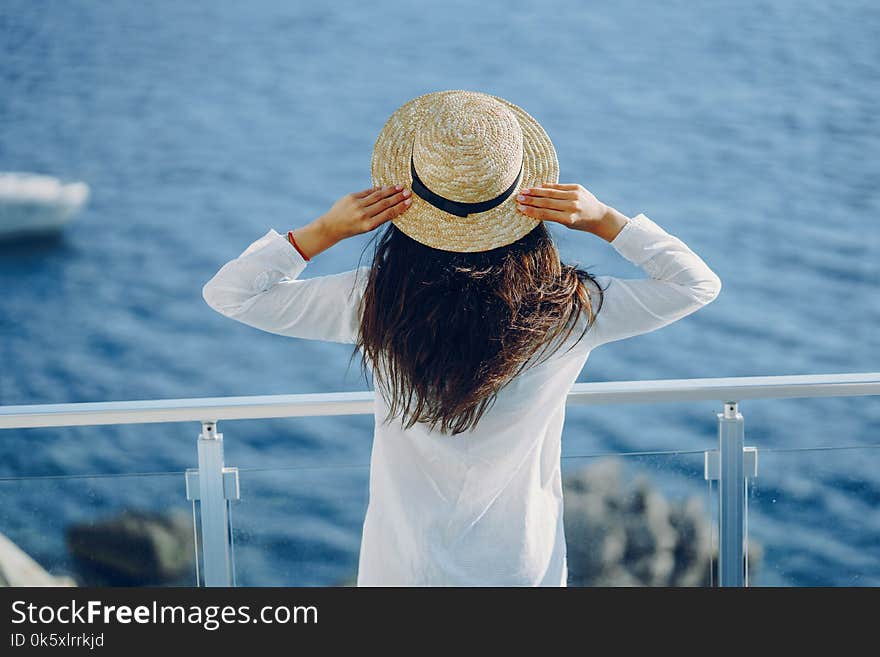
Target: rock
(17, 568)
(650, 537)
(617, 576)
(135, 548)
(603, 543)
(602, 478)
(693, 544)
(632, 535)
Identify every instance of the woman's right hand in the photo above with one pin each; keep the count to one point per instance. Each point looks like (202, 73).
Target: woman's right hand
(361, 212)
(353, 214)
(572, 206)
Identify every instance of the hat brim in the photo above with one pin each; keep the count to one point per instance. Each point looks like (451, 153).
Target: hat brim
(433, 227)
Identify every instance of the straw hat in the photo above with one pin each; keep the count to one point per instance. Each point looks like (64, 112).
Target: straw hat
(465, 155)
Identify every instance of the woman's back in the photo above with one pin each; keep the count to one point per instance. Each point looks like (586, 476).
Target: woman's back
(482, 507)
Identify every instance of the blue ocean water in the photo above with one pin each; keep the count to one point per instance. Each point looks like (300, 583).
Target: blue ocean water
(748, 129)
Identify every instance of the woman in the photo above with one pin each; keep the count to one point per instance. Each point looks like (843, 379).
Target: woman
(473, 329)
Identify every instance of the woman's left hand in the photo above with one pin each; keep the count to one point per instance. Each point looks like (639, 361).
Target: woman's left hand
(353, 214)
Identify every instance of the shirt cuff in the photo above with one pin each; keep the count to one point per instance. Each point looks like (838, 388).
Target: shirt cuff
(634, 238)
(288, 255)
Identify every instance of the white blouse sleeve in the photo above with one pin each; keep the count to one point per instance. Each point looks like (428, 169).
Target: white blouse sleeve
(680, 283)
(261, 288)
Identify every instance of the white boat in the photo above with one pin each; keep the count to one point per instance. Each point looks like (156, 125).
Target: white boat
(33, 203)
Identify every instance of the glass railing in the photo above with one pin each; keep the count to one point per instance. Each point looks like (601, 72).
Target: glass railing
(300, 525)
(637, 519)
(813, 511)
(716, 499)
(132, 529)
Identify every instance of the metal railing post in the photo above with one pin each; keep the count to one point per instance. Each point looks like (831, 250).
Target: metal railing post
(731, 496)
(212, 505)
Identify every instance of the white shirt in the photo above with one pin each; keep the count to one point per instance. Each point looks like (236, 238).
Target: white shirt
(481, 508)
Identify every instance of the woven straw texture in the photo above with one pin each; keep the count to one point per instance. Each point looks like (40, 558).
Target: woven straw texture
(467, 146)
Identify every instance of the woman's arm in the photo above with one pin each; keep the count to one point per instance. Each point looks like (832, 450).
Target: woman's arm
(261, 287)
(679, 282)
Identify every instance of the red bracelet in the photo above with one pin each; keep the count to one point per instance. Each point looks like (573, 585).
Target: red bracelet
(296, 246)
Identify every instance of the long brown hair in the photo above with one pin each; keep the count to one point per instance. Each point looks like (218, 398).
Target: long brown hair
(444, 331)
